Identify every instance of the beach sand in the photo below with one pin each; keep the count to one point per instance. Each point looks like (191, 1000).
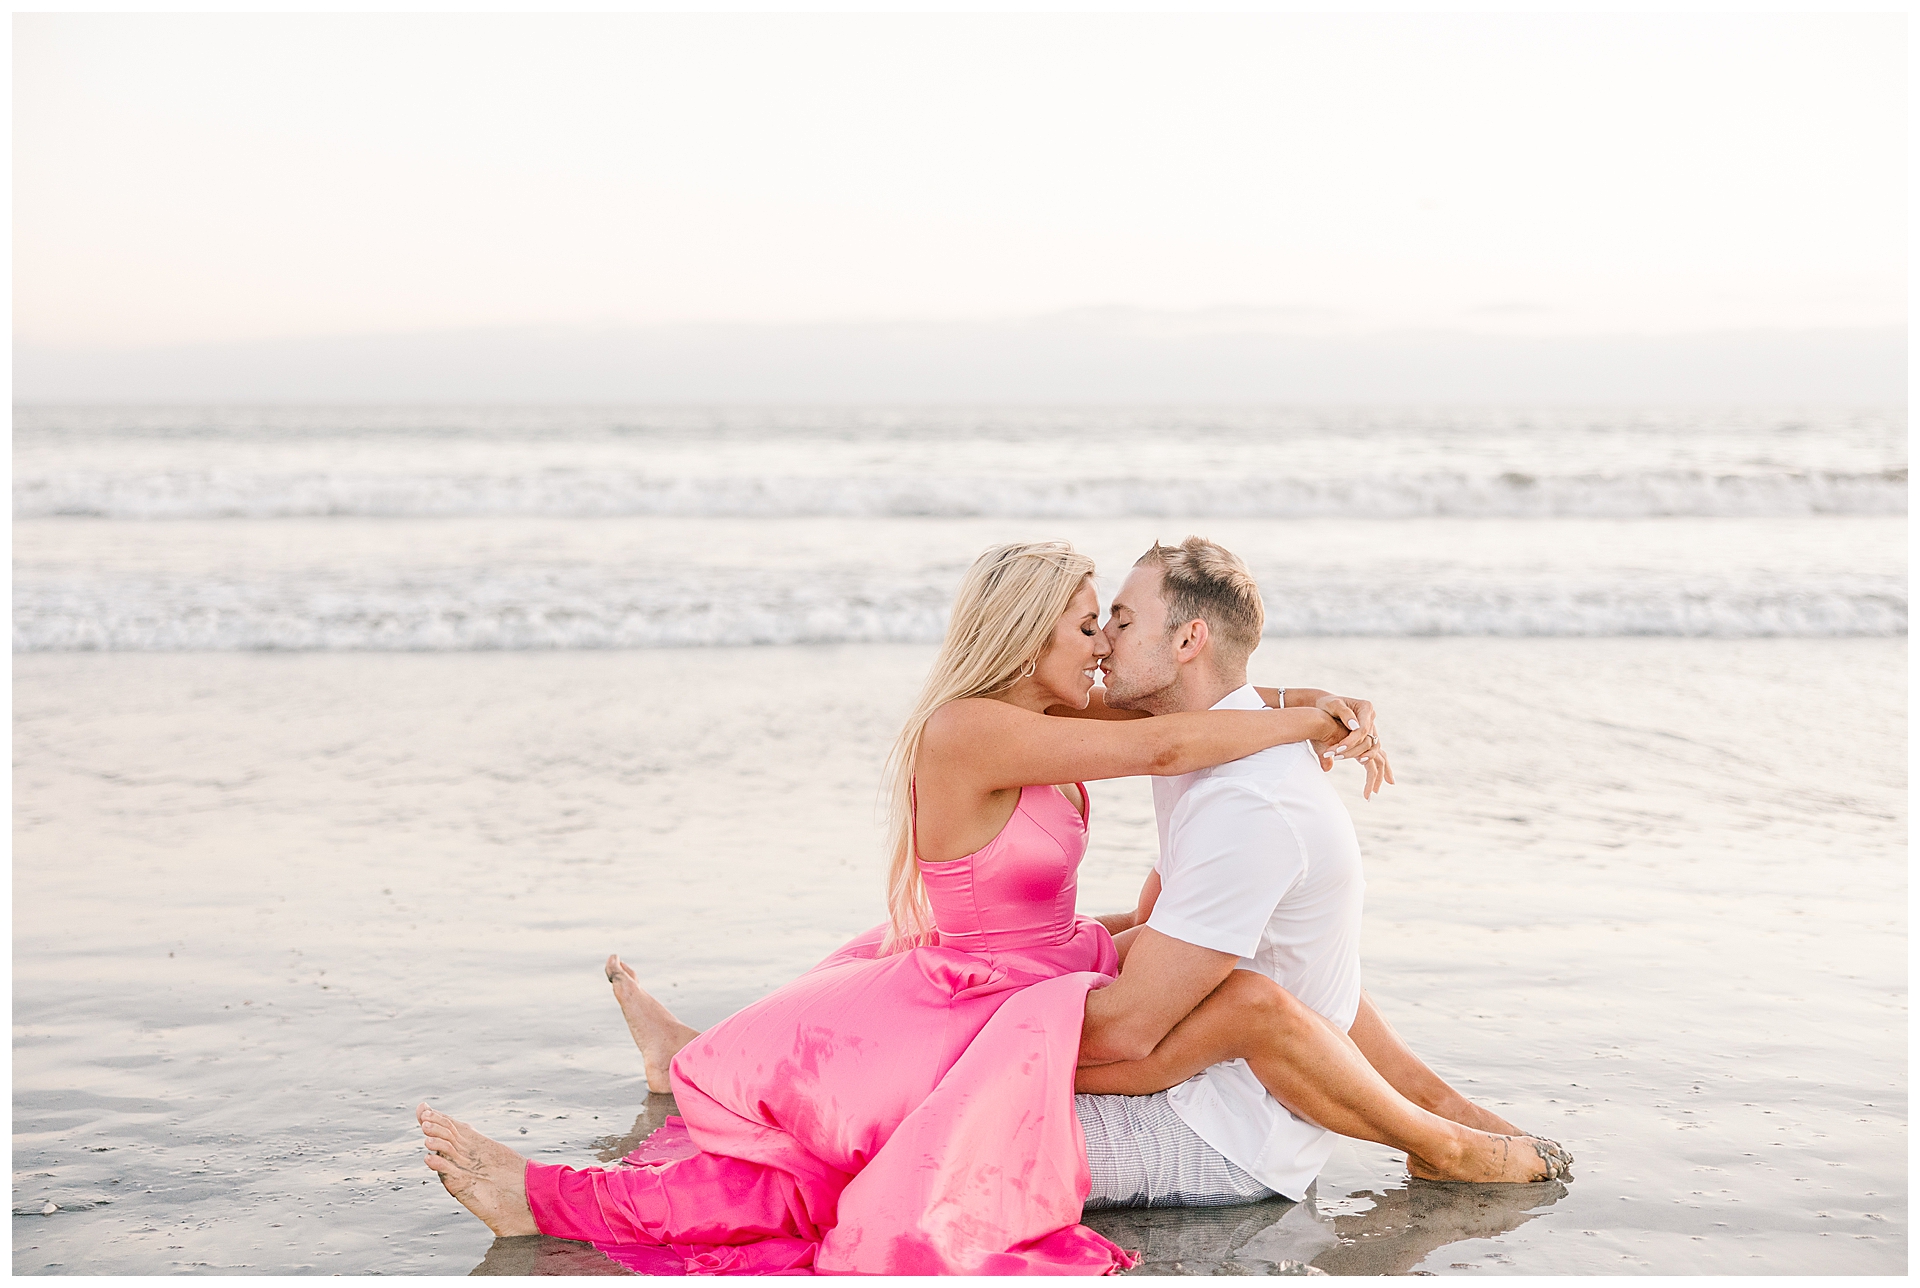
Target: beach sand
(1646, 896)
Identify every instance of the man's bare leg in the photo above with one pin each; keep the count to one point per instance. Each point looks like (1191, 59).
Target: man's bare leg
(1318, 1073)
(1407, 1074)
(656, 1031)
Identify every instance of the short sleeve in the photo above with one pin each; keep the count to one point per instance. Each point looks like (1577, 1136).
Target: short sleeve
(1230, 859)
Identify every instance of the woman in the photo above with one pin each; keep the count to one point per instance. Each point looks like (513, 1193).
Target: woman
(905, 1107)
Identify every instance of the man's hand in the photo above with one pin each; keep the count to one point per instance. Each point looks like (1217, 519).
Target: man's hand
(1118, 923)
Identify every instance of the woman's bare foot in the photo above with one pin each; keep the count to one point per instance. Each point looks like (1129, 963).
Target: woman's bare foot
(489, 1179)
(1488, 1157)
(655, 1030)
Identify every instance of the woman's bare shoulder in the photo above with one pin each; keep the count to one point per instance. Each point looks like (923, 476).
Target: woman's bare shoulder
(967, 717)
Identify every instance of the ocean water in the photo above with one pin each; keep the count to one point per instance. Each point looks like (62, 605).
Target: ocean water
(226, 528)
(348, 743)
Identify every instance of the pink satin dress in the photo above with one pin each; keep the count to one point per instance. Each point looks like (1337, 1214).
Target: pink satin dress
(904, 1115)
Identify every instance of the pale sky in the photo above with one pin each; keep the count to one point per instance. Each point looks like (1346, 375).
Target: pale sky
(229, 177)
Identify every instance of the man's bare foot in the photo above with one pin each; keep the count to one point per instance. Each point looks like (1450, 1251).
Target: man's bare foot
(655, 1030)
(489, 1179)
(1495, 1158)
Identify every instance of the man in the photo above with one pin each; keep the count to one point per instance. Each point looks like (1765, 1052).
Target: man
(1258, 884)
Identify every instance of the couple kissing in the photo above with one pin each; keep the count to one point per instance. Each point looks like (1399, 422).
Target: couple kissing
(946, 1093)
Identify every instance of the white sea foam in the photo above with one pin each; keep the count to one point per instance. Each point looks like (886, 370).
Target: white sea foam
(560, 613)
(574, 493)
(555, 528)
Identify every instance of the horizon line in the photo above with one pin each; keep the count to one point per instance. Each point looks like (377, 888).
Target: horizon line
(1361, 331)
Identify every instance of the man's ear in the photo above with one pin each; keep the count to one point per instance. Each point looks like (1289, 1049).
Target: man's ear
(1193, 640)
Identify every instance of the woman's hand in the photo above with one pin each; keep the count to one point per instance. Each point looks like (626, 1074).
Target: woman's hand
(1362, 742)
(1356, 714)
(1378, 771)
(1369, 756)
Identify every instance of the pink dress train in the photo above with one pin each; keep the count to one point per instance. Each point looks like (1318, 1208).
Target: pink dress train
(908, 1114)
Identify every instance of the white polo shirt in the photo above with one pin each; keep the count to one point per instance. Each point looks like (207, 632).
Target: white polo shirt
(1258, 858)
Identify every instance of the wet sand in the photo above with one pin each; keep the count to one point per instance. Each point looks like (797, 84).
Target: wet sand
(1641, 895)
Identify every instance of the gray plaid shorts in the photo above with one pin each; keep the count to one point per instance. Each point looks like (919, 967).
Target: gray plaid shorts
(1142, 1155)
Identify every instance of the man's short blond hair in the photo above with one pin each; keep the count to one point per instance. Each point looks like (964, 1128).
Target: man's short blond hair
(1203, 579)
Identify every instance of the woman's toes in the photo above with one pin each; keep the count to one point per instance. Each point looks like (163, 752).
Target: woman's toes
(618, 972)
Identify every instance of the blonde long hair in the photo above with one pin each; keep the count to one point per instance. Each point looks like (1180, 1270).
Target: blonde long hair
(1003, 619)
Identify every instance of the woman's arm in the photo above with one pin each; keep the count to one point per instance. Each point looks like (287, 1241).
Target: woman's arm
(1337, 707)
(1097, 709)
(1357, 740)
(1355, 713)
(993, 745)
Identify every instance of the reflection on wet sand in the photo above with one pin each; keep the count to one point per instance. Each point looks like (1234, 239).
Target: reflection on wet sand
(1368, 1232)
(610, 1149)
(537, 1254)
(1275, 1236)
(1402, 1227)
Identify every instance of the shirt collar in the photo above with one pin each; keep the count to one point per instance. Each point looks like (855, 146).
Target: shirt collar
(1169, 790)
(1244, 698)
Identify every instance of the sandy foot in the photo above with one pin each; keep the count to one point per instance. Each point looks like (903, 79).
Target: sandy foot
(656, 1031)
(1490, 1158)
(489, 1179)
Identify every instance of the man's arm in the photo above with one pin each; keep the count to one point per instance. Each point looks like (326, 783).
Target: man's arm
(1162, 980)
(1232, 859)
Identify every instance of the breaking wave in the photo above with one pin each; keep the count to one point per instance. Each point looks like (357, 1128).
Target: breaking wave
(549, 613)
